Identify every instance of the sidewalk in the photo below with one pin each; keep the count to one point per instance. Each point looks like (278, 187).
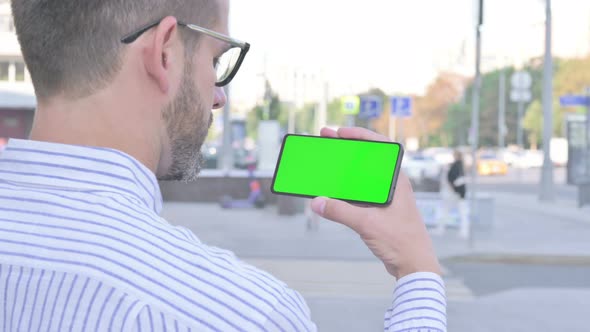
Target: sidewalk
(524, 226)
(347, 289)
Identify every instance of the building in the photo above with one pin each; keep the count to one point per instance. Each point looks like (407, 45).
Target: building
(17, 98)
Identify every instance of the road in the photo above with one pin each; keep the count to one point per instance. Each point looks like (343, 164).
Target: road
(527, 181)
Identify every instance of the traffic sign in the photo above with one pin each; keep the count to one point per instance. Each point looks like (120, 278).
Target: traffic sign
(521, 96)
(350, 105)
(371, 107)
(573, 100)
(521, 80)
(401, 107)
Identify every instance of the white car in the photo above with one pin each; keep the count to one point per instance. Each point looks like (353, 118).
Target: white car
(443, 156)
(529, 159)
(510, 157)
(420, 167)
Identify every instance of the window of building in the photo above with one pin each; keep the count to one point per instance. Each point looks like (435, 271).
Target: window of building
(11, 122)
(4, 68)
(19, 71)
(6, 23)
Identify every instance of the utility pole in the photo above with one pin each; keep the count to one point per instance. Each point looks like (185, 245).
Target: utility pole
(547, 194)
(519, 127)
(502, 109)
(587, 92)
(227, 162)
(466, 231)
(291, 119)
(322, 108)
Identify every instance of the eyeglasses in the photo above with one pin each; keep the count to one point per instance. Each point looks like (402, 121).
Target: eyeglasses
(226, 66)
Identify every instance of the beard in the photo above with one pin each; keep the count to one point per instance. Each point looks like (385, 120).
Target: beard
(186, 130)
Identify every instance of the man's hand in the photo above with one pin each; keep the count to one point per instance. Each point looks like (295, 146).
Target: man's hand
(395, 234)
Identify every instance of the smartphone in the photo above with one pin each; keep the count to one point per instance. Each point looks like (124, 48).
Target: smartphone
(356, 171)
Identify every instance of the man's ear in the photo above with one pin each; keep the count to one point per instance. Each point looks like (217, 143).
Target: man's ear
(158, 55)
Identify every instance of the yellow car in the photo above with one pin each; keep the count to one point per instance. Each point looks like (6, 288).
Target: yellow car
(489, 164)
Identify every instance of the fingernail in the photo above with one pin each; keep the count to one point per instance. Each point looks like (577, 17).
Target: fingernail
(318, 205)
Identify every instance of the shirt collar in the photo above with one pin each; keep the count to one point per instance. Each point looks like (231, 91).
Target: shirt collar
(81, 168)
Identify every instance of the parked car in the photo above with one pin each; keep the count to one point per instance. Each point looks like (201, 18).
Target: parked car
(418, 166)
(244, 158)
(210, 153)
(529, 159)
(509, 156)
(490, 164)
(424, 172)
(443, 156)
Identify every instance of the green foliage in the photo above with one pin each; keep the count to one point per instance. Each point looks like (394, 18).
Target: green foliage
(275, 110)
(459, 120)
(457, 124)
(305, 119)
(533, 121)
(571, 77)
(335, 116)
(252, 119)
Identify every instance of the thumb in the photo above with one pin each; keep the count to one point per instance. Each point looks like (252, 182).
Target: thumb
(339, 211)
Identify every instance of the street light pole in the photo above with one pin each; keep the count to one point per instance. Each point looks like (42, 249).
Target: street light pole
(587, 93)
(502, 109)
(547, 194)
(227, 155)
(291, 119)
(519, 128)
(466, 231)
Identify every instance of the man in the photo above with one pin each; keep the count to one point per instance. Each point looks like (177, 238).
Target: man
(124, 92)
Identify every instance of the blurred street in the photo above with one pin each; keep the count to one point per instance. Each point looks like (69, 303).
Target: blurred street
(526, 181)
(529, 272)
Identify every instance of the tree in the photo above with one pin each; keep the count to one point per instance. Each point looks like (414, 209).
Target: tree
(431, 110)
(305, 119)
(275, 110)
(533, 122)
(457, 124)
(572, 76)
(459, 120)
(335, 116)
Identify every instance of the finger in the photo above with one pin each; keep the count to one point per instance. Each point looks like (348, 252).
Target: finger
(340, 212)
(361, 133)
(327, 132)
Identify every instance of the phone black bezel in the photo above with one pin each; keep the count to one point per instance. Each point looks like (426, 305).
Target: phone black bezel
(392, 186)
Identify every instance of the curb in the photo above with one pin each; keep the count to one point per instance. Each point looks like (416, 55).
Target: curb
(521, 259)
(565, 213)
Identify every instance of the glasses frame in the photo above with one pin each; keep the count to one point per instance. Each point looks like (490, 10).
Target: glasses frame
(243, 46)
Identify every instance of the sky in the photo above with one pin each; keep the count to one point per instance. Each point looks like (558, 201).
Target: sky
(397, 45)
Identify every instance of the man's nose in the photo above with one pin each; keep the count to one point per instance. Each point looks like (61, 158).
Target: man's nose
(219, 99)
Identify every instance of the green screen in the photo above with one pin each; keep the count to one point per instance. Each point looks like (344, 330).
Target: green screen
(344, 169)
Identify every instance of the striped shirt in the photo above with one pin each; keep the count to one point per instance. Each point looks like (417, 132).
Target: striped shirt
(83, 248)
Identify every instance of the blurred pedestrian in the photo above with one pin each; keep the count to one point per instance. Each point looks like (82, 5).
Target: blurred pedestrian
(453, 192)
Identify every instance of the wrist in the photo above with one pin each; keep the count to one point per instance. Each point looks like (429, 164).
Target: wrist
(411, 268)
(431, 269)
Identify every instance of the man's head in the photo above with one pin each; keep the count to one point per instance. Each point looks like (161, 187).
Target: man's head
(151, 97)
